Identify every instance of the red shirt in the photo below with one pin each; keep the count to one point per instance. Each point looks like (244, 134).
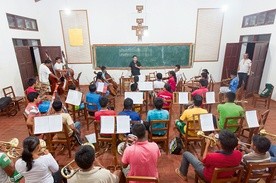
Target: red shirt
(104, 112)
(201, 91)
(172, 83)
(30, 90)
(166, 95)
(220, 160)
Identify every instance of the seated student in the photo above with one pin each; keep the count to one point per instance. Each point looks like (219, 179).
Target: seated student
(272, 152)
(166, 94)
(188, 114)
(226, 157)
(7, 171)
(34, 166)
(90, 170)
(104, 109)
(67, 119)
(205, 74)
(158, 114)
(140, 159)
(134, 85)
(128, 104)
(177, 73)
(32, 110)
(202, 89)
(233, 86)
(229, 109)
(31, 86)
(93, 97)
(81, 106)
(159, 83)
(172, 80)
(100, 79)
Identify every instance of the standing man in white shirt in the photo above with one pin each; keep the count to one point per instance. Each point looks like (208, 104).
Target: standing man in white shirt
(177, 73)
(244, 70)
(44, 73)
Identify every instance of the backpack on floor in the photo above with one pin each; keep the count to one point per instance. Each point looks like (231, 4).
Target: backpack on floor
(176, 146)
(267, 91)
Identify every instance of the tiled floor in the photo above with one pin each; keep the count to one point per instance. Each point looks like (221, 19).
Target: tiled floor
(15, 127)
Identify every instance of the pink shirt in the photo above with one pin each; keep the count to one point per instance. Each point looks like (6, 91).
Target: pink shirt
(201, 91)
(30, 90)
(142, 158)
(172, 83)
(100, 113)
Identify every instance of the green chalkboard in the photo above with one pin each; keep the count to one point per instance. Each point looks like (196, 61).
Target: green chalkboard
(150, 55)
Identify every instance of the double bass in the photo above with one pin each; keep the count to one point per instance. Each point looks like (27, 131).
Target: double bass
(112, 85)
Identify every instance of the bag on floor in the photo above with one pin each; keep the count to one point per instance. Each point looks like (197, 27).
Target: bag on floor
(176, 146)
(267, 91)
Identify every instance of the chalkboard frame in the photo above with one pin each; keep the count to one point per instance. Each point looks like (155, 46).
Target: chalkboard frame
(191, 54)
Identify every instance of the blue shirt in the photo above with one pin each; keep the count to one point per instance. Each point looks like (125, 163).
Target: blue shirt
(134, 116)
(234, 84)
(93, 98)
(158, 115)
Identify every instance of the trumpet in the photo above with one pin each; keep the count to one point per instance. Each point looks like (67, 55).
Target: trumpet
(212, 139)
(264, 132)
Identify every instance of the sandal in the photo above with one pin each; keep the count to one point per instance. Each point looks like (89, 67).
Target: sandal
(180, 175)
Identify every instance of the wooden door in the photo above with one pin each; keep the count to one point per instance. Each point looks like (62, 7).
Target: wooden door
(53, 52)
(25, 63)
(258, 62)
(231, 59)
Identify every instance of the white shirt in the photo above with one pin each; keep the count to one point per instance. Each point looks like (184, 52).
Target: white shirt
(44, 73)
(58, 66)
(42, 169)
(158, 84)
(244, 66)
(178, 76)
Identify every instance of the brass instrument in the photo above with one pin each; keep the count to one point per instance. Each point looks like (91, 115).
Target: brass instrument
(212, 139)
(131, 139)
(10, 147)
(264, 132)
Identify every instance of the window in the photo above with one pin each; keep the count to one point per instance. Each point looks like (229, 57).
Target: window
(26, 42)
(23, 23)
(255, 38)
(257, 19)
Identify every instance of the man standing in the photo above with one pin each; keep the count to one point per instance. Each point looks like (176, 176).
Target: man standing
(44, 73)
(59, 66)
(177, 73)
(135, 66)
(244, 69)
(142, 156)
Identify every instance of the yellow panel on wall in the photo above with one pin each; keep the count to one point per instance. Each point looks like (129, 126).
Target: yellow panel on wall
(75, 37)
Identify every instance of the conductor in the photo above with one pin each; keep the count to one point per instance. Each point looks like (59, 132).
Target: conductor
(135, 66)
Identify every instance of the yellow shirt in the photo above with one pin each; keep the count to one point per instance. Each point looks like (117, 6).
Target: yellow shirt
(187, 115)
(66, 119)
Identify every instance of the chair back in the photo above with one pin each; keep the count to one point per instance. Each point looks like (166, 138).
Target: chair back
(179, 85)
(8, 92)
(211, 84)
(263, 118)
(253, 168)
(238, 171)
(89, 113)
(238, 124)
(141, 179)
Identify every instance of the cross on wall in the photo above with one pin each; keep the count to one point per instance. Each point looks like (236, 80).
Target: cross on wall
(139, 28)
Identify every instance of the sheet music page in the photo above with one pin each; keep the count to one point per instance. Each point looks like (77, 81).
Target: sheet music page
(55, 123)
(107, 124)
(142, 78)
(137, 97)
(123, 124)
(100, 87)
(91, 138)
(183, 98)
(206, 122)
(74, 97)
(210, 98)
(47, 124)
(145, 86)
(252, 119)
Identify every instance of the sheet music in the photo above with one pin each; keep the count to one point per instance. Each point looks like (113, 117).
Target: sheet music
(142, 77)
(91, 138)
(123, 124)
(137, 97)
(107, 124)
(100, 87)
(206, 122)
(145, 86)
(183, 98)
(252, 119)
(210, 98)
(74, 97)
(47, 124)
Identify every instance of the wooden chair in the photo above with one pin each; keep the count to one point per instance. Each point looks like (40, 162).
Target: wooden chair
(141, 179)
(72, 111)
(89, 114)
(179, 85)
(238, 125)
(258, 98)
(164, 138)
(268, 175)
(211, 84)
(111, 102)
(238, 170)
(263, 119)
(168, 108)
(8, 92)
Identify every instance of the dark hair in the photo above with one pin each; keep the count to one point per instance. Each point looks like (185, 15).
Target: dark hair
(72, 87)
(159, 75)
(262, 143)
(205, 70)
(231, 96)
(233, 72)
(134, 56)
(57, 105)
(92, 88)
(177, 66)
(158, 103)
(47, 61)
(167, 87)
(29, 145)
(134, 86)
(31, 81)
(85, 157)
(204, 75)
(228, 140)
(32, 96)
(136, 79)
(173, 74)
(103, 67)
(139, 130)
(99, 75)
(197, 100)
(203, 82)
(103, 101)
(128, 103)
(58, 58)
